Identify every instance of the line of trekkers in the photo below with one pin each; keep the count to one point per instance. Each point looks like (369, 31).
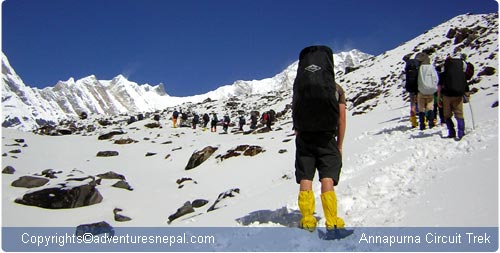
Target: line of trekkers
(440, 90)
(189, 119)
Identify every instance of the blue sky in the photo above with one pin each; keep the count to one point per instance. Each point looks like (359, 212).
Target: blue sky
(194, 46)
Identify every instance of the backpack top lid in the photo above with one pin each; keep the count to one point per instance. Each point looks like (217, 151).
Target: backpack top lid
(423, 58)
(314, 56)
(314, 105)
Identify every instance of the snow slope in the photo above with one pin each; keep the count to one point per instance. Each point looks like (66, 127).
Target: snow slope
(392, 176)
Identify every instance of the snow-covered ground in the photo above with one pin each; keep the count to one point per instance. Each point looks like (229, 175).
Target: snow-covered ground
(392, 175)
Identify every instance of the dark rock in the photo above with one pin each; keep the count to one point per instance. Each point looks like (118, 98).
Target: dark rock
(232, 105)
(241, 148)
(184, 179)
(119, 217)
(63, 196)
(15, 151)
(253, 150)
(230, 153)
(281, 151)
(199, 157)
(487, 71)
(125, 141)
(19, 140)
(167, 142)
(8, 170)
(50, 173)
(123, 185)
(461, 35)
(107, 153)
(494, 104)
(95, 229)
(153, 125)
(111, 175)
(222, 196)
(451, 33)
(150, 154)
(83, 115)
(247, 150)
(197, 203)
(47, 130)
(349, 69)
(29, 182)
(181, 181)
(65, 131)
(109, 135)
(104, 122)
(183, 210)
(131, 120)
(79, 179)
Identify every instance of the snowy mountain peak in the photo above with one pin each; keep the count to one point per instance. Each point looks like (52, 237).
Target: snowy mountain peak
(68, 99)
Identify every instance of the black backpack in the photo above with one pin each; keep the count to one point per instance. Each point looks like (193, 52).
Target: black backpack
(411, 74)
(454, 82)
(206, 118)
(315, 107)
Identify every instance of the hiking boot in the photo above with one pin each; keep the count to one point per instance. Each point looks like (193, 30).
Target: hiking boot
(461, 128)
(431, 119)
(421, 118)
(451, 128)
(413, 120)
(306, 206)
(337, 233)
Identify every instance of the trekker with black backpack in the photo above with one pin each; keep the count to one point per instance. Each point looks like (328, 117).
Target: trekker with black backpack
(225, 123)
(411, 86)
(213, 123)
(453, 87)
(319, 136)
(242, 122)
(206, 119)
(175, 115)
(196, 120)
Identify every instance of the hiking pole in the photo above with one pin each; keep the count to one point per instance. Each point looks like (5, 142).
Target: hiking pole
(471, 113)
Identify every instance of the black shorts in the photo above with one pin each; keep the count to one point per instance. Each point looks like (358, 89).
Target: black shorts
(317, 151)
